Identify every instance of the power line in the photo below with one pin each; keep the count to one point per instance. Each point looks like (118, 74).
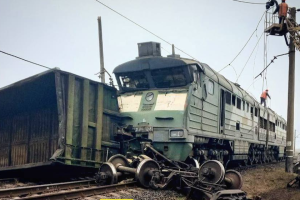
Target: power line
(25, 60)
(255, 61)
(272, 61)
(165, 50)
(249, 2)
(249, 57)
(245, 44)
(144, 29)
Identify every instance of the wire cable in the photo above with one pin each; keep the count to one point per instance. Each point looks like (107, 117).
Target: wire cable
(255, 61)
(144, 29)
(249, 2)
(165, 50)
(272, 61)
(25, 60)
(249, 57)
(255, 31)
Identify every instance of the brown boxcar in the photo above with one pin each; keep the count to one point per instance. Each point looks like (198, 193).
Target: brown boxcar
(57, 117)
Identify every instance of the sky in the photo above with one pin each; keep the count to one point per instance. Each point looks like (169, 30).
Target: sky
(64, 34)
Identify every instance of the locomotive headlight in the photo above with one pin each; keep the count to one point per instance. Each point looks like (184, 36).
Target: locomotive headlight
(176, 133)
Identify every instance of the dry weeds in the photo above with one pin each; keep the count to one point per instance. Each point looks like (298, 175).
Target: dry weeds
(270, 183)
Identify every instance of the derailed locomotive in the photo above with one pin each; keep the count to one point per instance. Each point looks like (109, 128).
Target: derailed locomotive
(186, 110)
(191, 113)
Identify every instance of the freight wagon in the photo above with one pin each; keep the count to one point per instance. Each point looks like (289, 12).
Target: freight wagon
(57, 118)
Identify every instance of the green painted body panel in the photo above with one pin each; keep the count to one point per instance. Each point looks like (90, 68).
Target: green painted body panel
(148, 111)
(175, 151)
(162, 119)
(151, 118)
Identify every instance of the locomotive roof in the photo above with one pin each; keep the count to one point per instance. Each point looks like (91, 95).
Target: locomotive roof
(157, 62)
(151, 63)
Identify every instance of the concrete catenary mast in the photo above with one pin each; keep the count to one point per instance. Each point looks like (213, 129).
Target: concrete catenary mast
(291, 101)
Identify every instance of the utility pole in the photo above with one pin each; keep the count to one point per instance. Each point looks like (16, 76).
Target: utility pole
(102, 69)
(295, 136)
(291, 101)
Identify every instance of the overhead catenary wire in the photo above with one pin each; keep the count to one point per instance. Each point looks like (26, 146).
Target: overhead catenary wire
(144, 29)
(249, 2)
(255, 31)
(272, 61)
(255, 60)
(249, 57)
(165, 50)
(34, 63)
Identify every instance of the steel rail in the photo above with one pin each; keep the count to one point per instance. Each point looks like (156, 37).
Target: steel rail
(39, 189)
(85, 192)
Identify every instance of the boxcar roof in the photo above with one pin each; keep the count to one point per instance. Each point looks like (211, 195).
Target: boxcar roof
(34, 77)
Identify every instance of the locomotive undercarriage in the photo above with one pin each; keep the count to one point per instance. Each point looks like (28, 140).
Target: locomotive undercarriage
(222, 151)
(201, 150)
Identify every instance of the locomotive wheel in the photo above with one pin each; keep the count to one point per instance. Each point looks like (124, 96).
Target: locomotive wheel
(118, 160)
(251, 157)
(193, 162)
(143, 173)
(236, 179)
(111, 172)
(250, 161)
(212, 171)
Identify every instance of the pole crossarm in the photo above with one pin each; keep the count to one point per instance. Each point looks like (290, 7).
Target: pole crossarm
(272, 61)
(294, 30)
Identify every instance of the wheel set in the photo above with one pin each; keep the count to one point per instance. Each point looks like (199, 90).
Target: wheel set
(213, 172)
(117, 168)
(149, 173)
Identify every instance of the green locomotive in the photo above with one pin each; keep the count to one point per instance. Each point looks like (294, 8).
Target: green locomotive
(191, 113)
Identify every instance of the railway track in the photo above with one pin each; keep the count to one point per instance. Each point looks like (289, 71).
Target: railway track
(66, 190)
(86, 189)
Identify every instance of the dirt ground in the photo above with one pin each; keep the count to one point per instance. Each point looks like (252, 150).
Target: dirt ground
(270, 183)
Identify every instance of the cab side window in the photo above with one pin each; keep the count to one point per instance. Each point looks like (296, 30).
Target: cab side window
(228, 98)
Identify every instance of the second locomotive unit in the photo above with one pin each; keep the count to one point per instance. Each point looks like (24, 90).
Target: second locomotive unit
(191, 113)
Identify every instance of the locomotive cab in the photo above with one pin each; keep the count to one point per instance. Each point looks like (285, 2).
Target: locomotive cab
(154, 94)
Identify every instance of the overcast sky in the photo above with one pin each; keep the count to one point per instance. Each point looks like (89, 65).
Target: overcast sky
(64, 34)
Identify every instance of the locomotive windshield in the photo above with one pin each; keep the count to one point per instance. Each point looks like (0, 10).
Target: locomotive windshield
(134, 80)
(156, 78)
(165, 78)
